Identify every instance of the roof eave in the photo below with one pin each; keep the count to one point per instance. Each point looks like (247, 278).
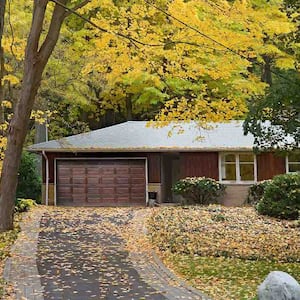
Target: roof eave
(155, 149)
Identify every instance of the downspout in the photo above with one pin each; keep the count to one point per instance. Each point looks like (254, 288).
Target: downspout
(47, 178)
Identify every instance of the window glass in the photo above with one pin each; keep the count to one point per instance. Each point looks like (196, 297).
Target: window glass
(294, 157)
(238, 167)
(229, 158)
(246, 157)
(230, 172)
(247, 172)
(294, 167)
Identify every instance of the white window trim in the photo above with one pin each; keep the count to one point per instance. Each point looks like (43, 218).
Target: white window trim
(237, 168)
(287, 162)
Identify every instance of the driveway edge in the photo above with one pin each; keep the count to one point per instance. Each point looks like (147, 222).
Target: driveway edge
(155, 273)
(20, 268)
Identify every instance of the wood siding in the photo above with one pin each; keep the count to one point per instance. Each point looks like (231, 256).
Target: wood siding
(199, 164)
(269, 165)
(154, 167)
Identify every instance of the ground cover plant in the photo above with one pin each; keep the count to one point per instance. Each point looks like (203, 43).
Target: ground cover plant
(225, 252)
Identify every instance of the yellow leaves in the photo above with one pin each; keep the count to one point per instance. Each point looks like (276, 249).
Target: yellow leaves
(41, 116)
(230, 232)
(6, 104)
(11, 78)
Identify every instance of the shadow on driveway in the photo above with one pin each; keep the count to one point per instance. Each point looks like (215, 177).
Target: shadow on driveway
(81, 256)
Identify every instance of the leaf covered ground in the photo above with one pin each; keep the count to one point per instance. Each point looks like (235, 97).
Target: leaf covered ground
(225, 252)
(6, 240)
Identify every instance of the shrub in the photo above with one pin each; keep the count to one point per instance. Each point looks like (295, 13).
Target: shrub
(281, 198)
(199, 190)
(256, 192)
(22, 205)
(29, 180)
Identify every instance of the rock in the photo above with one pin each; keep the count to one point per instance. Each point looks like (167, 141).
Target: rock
(279, 286)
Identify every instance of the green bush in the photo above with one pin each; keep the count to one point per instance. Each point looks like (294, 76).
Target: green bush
(199, 190)
(281, 198)
(29, 180)
(22, 205)
(256, 191)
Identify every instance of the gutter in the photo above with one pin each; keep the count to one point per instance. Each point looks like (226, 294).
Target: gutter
(47, 178)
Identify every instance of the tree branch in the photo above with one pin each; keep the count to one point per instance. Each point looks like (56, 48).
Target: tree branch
(80, 5)
(125, 36)
(49, 43)
(39, 10)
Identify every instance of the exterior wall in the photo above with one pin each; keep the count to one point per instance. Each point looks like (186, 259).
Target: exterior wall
(157, 188)
(154, 167)
(236, 195)
(269, 165)
(199, 164)
(51, 194)
(190, 164)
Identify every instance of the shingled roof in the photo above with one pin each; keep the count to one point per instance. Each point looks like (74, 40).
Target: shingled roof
(136, 136)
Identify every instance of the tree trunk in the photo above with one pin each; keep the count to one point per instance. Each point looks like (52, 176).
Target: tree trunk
(129, 116)
(266, 70)
(2, 14)
(35, 61)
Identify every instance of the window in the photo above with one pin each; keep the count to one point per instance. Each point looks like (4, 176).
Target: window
(293, 162)
(238, 167)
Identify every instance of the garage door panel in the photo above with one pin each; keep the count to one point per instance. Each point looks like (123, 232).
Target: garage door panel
(107, 179)
(78, 171)
(64, 190)
(92, 180)
(123, 190)
(107, 170)
(79, 180)
(122, 180)
(137, 170)
(101, 182)
(122, 170)
(65, 180)
(137, 181)
(92, 171)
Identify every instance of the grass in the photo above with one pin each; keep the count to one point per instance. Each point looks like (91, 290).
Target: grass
(225, 252)
(6, 240)
(227, 278)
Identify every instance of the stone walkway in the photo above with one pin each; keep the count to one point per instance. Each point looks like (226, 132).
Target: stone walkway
(80, 254)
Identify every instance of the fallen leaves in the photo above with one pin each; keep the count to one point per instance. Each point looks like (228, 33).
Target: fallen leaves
(6, 240)
(224, 232)
(225, 252)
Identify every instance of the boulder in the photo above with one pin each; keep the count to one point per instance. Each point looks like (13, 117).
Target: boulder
(279, 286)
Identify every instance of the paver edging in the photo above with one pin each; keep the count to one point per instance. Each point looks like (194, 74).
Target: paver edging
(20, 268)
(174, 287)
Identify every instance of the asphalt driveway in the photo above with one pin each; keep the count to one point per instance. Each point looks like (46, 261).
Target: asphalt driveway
(89, 253)
(81, 255)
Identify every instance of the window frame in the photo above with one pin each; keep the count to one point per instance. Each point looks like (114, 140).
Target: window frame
(237, 168)
(287, 164)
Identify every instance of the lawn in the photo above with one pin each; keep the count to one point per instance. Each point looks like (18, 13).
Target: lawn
(225, 252)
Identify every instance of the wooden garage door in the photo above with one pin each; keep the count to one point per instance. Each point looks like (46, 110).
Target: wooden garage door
(101, 182)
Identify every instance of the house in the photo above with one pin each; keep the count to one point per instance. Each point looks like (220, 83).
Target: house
(121, 164)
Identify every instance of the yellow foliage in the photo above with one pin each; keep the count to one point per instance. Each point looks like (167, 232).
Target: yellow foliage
(168, 50)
